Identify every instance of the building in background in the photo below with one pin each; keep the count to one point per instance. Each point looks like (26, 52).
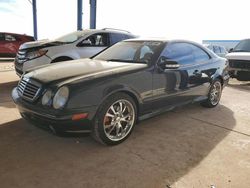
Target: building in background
(228, 44)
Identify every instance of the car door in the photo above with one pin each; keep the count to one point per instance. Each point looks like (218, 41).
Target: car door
(93, 44)
(174, 85)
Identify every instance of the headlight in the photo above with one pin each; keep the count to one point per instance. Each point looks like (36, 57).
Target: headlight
(35, 54)
(46, 97)
(61, 97)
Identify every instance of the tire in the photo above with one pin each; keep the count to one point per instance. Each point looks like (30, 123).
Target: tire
(214, 94)
(115, 119)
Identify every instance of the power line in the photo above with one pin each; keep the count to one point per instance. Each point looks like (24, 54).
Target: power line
(30, 1)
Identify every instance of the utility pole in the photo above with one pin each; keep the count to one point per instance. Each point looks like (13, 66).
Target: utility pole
(92, 14)
(34, 19)
(79, 14)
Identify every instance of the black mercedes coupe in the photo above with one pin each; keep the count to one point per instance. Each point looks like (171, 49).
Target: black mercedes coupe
(130, 81)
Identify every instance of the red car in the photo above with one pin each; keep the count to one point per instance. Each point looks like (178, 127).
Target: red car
(10, 42)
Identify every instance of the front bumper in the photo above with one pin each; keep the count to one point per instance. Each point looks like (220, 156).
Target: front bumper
(18, 67)
(21, 67)
(60, 120)
(237, 67)
(236, 72)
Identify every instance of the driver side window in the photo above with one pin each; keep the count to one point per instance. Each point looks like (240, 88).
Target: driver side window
(179, 52)
(100, 39)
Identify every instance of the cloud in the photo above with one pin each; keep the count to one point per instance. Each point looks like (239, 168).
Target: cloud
(4, 9)
(19, 14)
(7, 6)
(7, 1)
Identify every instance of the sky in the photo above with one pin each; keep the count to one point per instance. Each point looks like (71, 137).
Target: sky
(174, 19)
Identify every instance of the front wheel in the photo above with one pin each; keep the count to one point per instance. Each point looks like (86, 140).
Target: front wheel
(115, 119)
(214, 95)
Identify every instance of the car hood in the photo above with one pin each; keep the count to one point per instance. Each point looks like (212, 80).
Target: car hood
(39, 44)
(239, 55)
(80, 69)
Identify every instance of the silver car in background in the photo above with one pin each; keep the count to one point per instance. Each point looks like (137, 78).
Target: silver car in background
(218, 50)
(75, 45)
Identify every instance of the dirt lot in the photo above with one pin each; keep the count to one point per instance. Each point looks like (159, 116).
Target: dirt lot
(188, 147)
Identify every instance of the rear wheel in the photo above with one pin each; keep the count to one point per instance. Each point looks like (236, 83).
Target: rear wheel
(214, 95)
(115, 119)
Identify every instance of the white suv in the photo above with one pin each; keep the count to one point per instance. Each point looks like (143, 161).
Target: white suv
(239, 61)
(79, 44)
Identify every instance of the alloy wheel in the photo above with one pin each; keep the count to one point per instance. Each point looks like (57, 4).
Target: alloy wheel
(119, 120)
(215, 93)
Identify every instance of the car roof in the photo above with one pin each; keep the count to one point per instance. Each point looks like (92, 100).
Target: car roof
(16, 34)
(163, 40)
(105, 30)
(148, 39)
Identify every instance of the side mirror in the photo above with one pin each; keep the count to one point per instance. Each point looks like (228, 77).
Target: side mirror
(168, 64)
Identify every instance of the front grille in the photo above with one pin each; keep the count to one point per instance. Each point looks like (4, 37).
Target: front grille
(242, 64)
(28, 89)
(20, 72)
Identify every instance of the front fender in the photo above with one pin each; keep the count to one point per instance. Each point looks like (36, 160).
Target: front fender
(94, 96)
(122, 88)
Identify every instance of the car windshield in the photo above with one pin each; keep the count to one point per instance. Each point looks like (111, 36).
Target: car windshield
(243, 46)
(130, 51)
(71, 37)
